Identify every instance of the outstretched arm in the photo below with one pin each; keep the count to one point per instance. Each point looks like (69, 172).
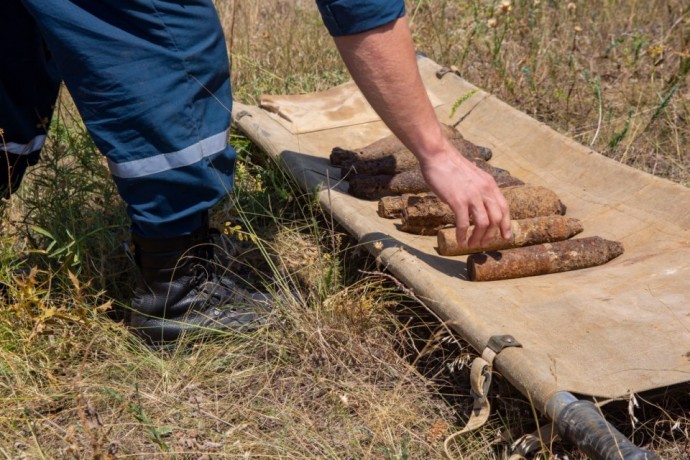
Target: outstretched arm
(383, 64)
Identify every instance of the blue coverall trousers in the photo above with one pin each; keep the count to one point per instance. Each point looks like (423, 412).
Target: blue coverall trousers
(151, 81)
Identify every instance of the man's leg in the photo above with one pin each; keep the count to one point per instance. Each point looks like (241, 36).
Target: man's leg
(151, 81)
(29, 84)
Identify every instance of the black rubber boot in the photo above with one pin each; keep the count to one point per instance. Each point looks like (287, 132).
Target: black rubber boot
(181, 292)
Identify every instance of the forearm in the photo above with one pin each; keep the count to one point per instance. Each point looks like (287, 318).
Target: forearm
(383, 64)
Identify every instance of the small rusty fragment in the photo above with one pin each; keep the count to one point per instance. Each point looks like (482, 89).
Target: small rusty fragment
(542, 259)
(524, 232)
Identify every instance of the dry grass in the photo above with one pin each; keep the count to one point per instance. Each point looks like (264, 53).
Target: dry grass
(351, 367)
(611, 74)
(323, 382)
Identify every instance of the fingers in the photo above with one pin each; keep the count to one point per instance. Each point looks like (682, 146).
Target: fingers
(490, 216)
(499, 218)
(473, 195)
(504, 224)
(462, 225)
(482, 226)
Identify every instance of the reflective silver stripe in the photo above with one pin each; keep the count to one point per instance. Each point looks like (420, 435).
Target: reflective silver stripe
(24, 149)
(167, 161)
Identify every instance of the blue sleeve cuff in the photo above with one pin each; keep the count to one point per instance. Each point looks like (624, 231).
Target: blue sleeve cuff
(347, 17)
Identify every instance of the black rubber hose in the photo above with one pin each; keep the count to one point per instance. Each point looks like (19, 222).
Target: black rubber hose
(582, 424)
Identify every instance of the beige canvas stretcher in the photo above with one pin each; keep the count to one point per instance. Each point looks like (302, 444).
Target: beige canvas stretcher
(604, 332)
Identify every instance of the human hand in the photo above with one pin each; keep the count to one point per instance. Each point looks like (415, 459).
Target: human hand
(471, 193)
(383, 64)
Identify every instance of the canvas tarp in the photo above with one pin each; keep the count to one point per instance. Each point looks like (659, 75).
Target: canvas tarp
(605, 332)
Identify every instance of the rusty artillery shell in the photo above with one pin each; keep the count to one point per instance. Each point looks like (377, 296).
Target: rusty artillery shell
(541, 259)
(528, 201)
(379, 149)
(390, 207)
(502, 177)
(401, 159)
(395, 155)
(525, 232)
(471, 150)
(376, 187)
(427, 214)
